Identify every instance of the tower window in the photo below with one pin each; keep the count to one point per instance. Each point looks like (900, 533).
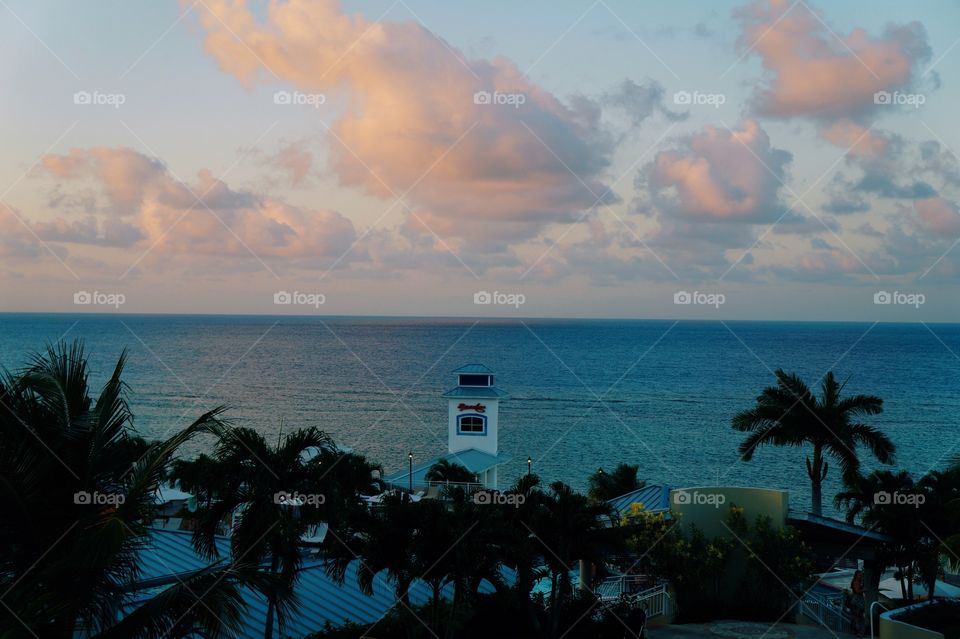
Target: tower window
(475, 380)
(471, 424)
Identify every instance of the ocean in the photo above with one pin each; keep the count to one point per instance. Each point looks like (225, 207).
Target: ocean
(583, 394)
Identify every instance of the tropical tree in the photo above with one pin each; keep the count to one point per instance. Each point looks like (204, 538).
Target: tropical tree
(271, 495)
(519, 547)
(196, 476)
(603, 485)
(571, 528)
(445, 470)
(77, 495)
(789, 414)
(911, 513)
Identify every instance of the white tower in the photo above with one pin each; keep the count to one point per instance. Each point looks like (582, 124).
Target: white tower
(473, 410)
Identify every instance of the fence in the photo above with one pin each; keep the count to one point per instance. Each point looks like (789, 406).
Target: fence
(826, 610)
(655, 600)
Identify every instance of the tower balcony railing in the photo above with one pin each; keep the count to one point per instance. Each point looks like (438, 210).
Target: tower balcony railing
(435, 488)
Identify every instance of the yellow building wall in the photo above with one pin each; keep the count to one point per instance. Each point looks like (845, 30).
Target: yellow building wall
(707, 507)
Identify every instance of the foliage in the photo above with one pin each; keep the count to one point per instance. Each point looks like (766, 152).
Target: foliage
(603, 485)
(77, 495)
(789, 414)
(445, 470)
(777, 567)
(270, 496)
(922, 518)
(718, 577)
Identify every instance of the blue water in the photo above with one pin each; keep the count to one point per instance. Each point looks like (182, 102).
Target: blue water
(583, 393)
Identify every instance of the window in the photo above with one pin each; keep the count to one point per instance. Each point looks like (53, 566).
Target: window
(472, 424)
(475, 380)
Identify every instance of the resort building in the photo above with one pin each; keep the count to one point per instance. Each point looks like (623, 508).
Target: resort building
(473, 425)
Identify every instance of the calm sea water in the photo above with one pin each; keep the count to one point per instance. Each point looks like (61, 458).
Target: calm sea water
(584, 394)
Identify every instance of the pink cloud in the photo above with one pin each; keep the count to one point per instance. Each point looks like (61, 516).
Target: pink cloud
(412, 124)
(814, 72)
(166, 215)
(721, 174)
(938, 216)
(863, 143)
(123, 174)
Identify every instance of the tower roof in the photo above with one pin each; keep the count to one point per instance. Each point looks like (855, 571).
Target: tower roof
(474, 369)
(482, 392)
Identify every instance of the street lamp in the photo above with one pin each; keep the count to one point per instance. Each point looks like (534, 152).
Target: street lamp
(529, 464)
(410, 459)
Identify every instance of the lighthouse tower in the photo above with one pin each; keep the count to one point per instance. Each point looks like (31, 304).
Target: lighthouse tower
(473, 419)
(473, 410)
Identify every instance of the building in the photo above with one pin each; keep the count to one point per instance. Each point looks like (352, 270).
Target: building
(473, 426)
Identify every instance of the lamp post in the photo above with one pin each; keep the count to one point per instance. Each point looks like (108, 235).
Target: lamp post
(410, 459)
(529, 465)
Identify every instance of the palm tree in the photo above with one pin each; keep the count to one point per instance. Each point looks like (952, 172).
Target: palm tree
(519, 547)
(920, 516)
(789, 414)
(604, 485)
(870, 499)
(939, 520)
(76, 492)
(445, 470)
(382, 546)
(271, 496)
(571, 527)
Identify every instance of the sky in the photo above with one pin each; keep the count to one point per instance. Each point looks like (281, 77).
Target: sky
(776, 159)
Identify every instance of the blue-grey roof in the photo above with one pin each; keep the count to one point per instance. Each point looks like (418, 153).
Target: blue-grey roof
(481, 392)
(653, 498)
(320, 599)
(476, 461)
(474, 369)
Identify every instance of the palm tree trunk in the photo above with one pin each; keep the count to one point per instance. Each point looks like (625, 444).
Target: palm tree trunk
(816, 481)
(555, 596)
(271, 601)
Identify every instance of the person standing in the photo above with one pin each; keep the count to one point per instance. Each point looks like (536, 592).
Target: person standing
(857, 603)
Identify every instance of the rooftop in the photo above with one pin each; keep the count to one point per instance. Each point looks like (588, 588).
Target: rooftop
(653, 498)
(484, 392)
(476, 461)
(473, 369)
(169, 554)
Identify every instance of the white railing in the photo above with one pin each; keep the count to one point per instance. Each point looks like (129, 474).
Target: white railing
(435, 488)
(872, 606)
(826, 611)
(654, 600)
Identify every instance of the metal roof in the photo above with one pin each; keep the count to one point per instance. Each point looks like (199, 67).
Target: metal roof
(653, 498)
(481, 392)
(832, 528)
(476, 461)
(473, 369)
(169, 554)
